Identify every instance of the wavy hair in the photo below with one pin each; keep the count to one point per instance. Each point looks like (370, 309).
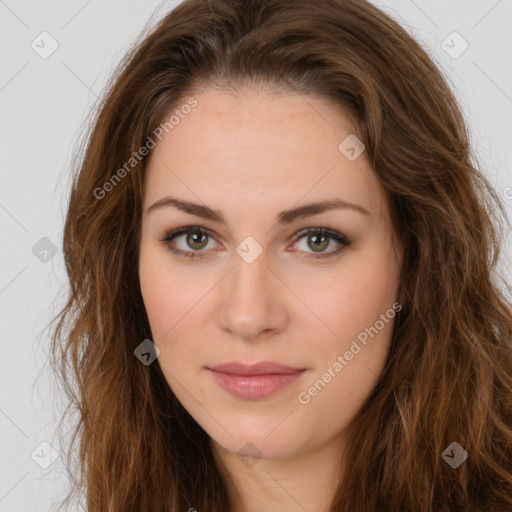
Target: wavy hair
(448, 377)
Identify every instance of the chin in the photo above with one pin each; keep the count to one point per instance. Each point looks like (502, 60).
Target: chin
(257, 443)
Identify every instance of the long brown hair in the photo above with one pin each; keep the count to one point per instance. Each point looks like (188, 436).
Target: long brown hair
(448, 377)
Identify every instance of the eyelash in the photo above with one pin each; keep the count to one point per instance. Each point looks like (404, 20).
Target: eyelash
(338, 237)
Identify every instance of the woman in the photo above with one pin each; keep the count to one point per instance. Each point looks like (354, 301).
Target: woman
(282, 266)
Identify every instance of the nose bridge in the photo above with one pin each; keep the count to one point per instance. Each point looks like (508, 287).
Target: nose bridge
(249, 280)
(250, 272)
(251, 303)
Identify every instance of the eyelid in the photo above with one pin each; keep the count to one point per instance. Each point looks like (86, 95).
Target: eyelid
(170, 235)
(332, 233)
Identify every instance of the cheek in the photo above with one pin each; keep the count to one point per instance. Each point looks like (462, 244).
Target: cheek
(167, 293)
(175, 306)
(169, 312)
(350, 355)
(352, 299)
(161, 290)
(157, 300)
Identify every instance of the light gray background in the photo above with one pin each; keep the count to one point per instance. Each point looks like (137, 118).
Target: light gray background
(43, 104)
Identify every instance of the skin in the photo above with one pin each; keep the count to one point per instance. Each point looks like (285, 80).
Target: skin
(251, 155)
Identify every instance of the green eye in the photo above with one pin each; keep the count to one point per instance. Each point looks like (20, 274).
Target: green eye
(321, 239)
(196, 238)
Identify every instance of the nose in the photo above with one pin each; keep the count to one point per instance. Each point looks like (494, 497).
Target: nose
(253, 302)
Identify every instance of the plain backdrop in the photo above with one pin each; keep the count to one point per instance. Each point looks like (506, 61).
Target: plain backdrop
(55, 59)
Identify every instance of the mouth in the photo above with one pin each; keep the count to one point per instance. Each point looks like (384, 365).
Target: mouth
(256, 381)
(262, 368)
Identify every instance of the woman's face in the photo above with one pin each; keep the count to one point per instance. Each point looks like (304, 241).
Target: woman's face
(256, 286)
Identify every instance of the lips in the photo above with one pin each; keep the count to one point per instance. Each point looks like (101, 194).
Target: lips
(263, 368)
(256, 381)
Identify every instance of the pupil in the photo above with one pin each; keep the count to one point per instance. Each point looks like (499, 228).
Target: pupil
(316, 237)
(194, 236)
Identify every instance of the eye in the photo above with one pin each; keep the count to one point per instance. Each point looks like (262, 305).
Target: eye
(319, 239)
(196, 238)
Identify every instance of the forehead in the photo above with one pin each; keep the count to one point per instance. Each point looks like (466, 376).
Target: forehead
(260, 147)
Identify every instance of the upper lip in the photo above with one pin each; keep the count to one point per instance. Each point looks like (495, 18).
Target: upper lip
(262, 368)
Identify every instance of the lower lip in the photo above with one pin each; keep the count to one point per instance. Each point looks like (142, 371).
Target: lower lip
(254, 387)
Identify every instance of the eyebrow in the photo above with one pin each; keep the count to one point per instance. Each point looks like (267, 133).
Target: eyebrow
(284, 217)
